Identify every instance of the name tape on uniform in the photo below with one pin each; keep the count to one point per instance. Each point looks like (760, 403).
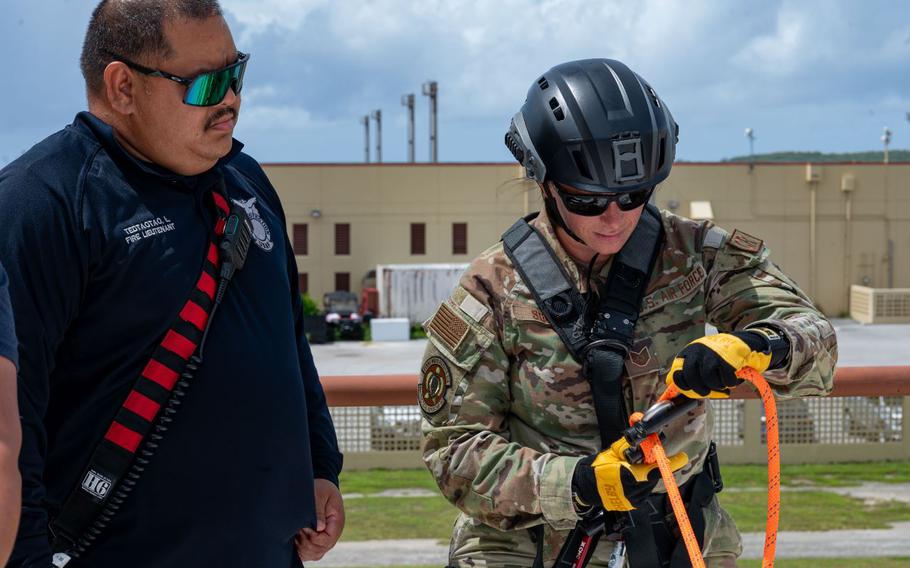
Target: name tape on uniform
(745, 241)
(678, 289)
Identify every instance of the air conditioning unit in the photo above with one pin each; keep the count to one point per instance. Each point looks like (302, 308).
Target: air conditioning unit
(880, 305)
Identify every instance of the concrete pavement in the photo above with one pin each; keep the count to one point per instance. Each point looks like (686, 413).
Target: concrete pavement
(858, 345)
(893, 542)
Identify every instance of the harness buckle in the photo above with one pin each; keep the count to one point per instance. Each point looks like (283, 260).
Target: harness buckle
(618, 348)
(712, 466)
(611, 344)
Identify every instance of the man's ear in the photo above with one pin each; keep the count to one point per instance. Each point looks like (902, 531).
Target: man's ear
(120, 87)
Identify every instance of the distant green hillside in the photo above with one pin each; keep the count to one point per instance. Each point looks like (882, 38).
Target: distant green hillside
(893, 155)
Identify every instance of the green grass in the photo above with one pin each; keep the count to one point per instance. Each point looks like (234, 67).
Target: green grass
(375, 518)
(377, 480)
(370, 518)
(812, 511)
(826, 475)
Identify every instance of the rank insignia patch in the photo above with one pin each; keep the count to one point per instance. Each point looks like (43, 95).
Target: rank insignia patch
(435, 380)
(640, 359)
(745, 241)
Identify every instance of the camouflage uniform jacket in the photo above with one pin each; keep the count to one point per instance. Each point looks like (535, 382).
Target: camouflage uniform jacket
(507, 412)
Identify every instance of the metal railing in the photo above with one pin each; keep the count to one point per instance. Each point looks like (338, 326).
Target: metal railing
(378, 421)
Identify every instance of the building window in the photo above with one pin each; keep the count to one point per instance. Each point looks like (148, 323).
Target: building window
(301, 239)
(343, 281)
(342, 238)
(459, 238)
(303, 282)
(418, 238)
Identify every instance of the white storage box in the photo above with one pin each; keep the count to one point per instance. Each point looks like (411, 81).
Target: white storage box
(390, 329)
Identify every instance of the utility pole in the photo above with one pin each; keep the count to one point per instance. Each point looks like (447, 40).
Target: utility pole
(365, 121)
(431, 90)
(408, 101)
(377, 116)
(886, 140)
(750, 134)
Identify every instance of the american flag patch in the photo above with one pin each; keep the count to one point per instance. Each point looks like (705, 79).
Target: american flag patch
(447, 326)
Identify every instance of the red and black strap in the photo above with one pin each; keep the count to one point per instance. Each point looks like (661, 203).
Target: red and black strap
(134, 421)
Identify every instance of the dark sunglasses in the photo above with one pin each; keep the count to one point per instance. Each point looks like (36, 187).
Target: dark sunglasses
(593, 205)
(205, 89)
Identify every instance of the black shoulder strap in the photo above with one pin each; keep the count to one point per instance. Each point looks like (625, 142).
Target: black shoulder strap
(620, 299)
(120, 457)
(545, 277)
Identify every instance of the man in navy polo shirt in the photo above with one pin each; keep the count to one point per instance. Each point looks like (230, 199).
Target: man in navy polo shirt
(10, 434)
(107, 230)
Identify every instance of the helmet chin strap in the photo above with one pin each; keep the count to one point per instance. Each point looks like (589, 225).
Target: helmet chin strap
(556, 218)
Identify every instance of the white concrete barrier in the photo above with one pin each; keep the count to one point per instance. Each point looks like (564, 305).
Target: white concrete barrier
(390, 329)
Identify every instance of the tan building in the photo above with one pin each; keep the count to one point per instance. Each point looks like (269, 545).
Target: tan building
(828, 225)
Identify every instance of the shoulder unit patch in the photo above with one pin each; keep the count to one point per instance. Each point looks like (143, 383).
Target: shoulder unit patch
(435, 380)
(745, 241)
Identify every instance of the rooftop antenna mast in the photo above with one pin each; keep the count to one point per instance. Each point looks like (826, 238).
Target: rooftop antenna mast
(431, 90)
(886, 140)
(750, 134)
(377, 116)
(365, 121)
(408, 101)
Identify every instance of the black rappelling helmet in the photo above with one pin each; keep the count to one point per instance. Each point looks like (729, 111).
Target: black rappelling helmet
(596, 125)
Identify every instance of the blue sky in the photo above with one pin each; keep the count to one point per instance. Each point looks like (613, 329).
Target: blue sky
(805, 75)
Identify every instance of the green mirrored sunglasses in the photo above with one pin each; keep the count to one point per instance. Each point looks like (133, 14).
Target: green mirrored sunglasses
(205, 89)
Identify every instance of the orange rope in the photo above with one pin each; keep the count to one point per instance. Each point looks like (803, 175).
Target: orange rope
(654, 452)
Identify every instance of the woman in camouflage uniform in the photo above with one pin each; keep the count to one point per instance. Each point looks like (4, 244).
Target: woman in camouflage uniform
(510, 431)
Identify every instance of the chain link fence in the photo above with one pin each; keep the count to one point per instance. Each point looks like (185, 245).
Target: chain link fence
(845, 421)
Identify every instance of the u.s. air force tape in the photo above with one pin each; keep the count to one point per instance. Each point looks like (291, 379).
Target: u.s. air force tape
(435, 380)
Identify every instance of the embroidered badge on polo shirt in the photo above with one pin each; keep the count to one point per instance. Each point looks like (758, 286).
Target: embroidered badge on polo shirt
(261, 233)
(435, 380)
(745, 241)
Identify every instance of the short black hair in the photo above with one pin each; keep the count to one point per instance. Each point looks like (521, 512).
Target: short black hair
(133, 29)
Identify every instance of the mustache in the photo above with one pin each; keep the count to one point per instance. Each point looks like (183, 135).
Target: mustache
(221, 114)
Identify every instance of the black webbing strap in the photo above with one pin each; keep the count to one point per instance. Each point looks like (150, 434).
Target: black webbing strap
(537, 538)
(111, 460)
(555, 294)
(613, 332)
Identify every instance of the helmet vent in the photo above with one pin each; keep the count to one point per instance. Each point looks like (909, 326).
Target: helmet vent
(654, 96)
(557, 112)
(663, 152)
(542, 82)
(581, 164)
(514, 147)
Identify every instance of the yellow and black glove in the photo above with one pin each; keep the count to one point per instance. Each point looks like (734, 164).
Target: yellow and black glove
(610, 480)
(706, 368)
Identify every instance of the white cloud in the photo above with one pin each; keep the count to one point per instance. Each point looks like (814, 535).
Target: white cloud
(819, 73)
(258, 16)
(268, 117)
